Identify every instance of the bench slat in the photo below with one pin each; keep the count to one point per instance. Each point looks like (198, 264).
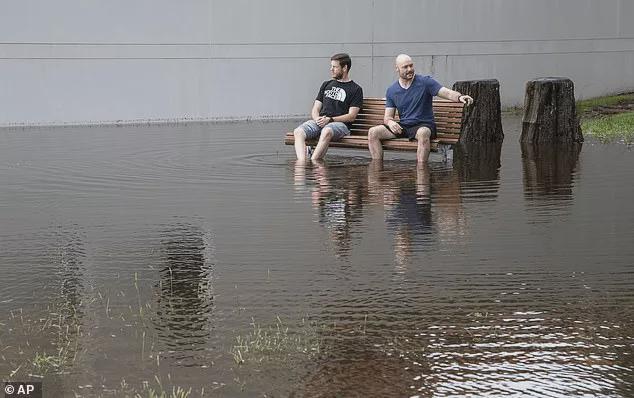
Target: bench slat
(364, 132)
(440, 121)
(437, 115)
(400, 144)
(440, 125)
(358, 141)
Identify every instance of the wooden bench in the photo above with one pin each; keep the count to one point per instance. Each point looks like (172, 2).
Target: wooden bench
(448, 116)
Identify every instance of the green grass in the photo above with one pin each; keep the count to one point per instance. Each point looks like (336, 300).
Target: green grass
(44, 364)
(161, 392)
(45, 340)
(264, 343)
(587, 105)
(607, 128)
(153, 391)
(619, 127)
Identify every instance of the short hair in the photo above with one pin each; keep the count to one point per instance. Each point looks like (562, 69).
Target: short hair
(343, 59)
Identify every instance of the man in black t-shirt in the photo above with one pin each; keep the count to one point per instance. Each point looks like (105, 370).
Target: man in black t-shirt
(337, 104)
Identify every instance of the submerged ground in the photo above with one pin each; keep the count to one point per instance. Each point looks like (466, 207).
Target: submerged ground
(137, 260)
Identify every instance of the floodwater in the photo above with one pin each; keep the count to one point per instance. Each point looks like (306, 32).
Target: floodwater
(201, 256)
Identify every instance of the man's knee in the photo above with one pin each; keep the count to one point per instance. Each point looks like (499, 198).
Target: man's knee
(299, 133)
(423, 134)
(374, 134)
(326, 134)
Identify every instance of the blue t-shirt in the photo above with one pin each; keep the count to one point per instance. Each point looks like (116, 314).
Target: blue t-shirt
(414, 104)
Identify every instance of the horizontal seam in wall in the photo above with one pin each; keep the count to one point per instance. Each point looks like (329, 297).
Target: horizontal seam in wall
(312, 43)
(288, 57)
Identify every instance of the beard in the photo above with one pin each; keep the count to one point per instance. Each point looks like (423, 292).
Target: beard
(407, 75)
(337, 76)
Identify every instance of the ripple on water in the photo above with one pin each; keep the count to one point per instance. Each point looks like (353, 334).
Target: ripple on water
(166, 244)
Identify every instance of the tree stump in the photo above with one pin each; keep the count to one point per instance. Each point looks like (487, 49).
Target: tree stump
(550, 114)
(482, 121)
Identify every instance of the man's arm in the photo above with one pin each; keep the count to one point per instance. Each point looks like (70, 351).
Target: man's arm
(314, 113)
(320, 120)
(388, 120)
(349, 117)
(454, 96)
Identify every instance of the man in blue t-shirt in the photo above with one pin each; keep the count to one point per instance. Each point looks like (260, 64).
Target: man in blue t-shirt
(412, 96)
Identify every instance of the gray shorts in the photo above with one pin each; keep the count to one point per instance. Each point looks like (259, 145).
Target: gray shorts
(312, 130)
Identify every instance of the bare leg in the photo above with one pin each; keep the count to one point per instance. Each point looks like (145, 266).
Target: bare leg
(300, 144)
(375, 135)
(375, 167)
(300, 173)
(423, 135)
(322, 184)
(374, 180)
(423, 187)
(322, 145)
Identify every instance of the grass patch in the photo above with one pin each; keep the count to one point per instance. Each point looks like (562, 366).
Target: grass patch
(49, 342)
(44, 364)
(611, 128)
(58, 332)
(276, 342)
(153, 391)
(588, 105)
(160, 392)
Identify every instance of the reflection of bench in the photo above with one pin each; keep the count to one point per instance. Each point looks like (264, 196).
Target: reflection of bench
(448, 116)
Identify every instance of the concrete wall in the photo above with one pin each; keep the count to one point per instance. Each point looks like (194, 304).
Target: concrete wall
(95, 61)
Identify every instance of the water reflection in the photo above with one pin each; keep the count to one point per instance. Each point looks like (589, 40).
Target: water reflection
(66, 311)
(535, 353)
(467, 346)
(356, 367)
(69, 253)
(185, 291)
(422, 203)
(549, 170)
(337, 195)
(405, 194)
(478, 162)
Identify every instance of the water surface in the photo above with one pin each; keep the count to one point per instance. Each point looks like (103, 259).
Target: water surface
(203, 256)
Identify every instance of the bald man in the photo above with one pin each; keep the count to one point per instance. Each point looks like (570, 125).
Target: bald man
(412, 96)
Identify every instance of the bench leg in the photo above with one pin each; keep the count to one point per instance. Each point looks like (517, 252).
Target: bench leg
(446, 151)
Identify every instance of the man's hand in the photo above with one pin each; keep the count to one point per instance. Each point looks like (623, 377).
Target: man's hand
(455, 96)
(322, 121)
(394, 127)
(466, 99)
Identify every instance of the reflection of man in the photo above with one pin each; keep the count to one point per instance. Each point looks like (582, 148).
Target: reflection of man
(337, 104)
(412, 96)
(336, 197)
(406, 200)
(333, 209)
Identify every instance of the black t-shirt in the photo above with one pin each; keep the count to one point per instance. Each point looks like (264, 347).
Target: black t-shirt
(337, 97)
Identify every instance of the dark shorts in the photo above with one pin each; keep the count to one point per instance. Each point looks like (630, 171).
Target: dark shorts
(410, 131)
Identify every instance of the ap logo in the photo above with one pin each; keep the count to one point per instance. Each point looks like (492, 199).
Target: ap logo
(23, 390)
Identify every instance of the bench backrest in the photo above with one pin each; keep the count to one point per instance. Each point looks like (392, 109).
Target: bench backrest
(448, 116)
